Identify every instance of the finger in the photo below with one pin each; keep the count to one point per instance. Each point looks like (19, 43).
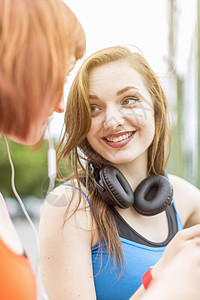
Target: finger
(189, 233)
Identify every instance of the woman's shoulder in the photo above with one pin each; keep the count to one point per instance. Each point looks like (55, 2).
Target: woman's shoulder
(183, 186)
(68, 193)
(186, 196)
(66, 203)
(7, 230)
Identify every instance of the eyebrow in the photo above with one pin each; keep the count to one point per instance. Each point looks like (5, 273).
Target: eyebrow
(127, 88)
(93, 97)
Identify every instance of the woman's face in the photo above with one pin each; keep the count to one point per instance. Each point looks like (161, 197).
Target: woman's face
(122, 113)
(42, 120)
(39, 125)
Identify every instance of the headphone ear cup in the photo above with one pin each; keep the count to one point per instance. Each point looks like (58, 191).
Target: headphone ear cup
(153, 195)
(114, 188)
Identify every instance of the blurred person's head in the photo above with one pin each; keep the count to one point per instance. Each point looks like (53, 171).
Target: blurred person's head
(40, 41)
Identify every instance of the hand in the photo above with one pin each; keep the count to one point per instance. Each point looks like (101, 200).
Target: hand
(180, 279)
(179, 241)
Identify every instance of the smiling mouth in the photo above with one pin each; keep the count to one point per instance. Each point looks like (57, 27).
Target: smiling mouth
(119, 138)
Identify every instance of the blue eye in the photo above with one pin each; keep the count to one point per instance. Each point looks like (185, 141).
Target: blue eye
(129, 101)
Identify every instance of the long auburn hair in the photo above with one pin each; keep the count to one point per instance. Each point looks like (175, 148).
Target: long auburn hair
(37, 40)
(80, 156)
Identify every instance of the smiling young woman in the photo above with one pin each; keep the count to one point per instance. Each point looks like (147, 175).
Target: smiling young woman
(116, 141)
(122, 126)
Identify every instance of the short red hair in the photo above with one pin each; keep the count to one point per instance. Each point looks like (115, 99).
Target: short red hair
(37, 40)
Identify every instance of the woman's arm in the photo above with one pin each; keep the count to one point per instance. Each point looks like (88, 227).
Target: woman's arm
(180, 279)
(189, 236)
(65, 251)
(66, 263)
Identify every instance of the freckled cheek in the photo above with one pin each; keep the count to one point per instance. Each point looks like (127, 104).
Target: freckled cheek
(147, 114)
(137, 114)
(96, 126)
(93, 132)
(147, 125)
(150, 129)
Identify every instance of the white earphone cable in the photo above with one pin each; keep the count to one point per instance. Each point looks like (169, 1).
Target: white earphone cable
(42, 295)
(52, 170)
(21, 202)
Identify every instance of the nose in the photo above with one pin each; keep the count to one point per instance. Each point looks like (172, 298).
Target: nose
(60, 107)
(113, 119)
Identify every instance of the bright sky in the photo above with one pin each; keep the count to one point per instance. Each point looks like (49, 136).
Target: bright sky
(142, 23)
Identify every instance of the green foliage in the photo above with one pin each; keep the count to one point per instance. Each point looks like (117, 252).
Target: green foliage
(30, 169)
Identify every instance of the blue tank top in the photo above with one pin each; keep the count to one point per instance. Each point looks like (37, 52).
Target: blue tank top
(139, 255)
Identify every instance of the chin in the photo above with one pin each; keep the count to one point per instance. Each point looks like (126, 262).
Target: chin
(25, 141)
(30, 140)
(119, 159)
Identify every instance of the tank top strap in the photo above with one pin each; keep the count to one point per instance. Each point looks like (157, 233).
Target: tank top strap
(178, 219)
(75, 187)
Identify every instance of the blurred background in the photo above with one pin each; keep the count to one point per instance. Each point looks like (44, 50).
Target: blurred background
(167, 32)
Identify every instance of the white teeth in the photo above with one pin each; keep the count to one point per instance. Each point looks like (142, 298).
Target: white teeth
(119, 138)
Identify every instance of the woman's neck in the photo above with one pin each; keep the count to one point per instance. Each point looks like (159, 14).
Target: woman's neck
(135, 171)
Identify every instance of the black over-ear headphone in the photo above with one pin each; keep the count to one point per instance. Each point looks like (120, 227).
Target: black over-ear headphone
(152, 196)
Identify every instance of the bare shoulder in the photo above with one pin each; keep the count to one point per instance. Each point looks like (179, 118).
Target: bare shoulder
(187, 198)
(62, 204)
(62, 195)
(183, 186)
(66, 233)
